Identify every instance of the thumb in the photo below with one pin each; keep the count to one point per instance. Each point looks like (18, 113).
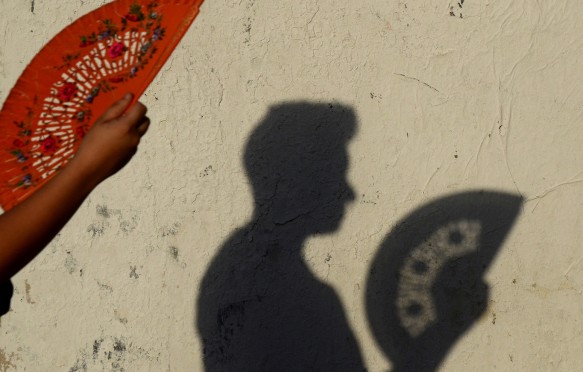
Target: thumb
(117, 109)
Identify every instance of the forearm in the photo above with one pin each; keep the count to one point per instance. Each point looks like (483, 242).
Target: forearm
(30, 226)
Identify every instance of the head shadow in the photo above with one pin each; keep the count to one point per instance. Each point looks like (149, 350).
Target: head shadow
(260, 307)
(297, 160)
(426, 283)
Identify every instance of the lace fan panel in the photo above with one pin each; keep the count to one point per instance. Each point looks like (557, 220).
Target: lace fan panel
(109, 56)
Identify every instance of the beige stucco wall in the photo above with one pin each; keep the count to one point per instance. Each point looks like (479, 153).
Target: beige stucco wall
(489, 98)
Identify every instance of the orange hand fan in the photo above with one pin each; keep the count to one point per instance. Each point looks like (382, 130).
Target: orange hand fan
(92, 63)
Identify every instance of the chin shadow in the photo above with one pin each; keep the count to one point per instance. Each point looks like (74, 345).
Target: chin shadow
(260, 308)
(426, 284)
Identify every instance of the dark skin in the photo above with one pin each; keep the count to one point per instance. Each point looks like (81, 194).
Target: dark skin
(108, 147)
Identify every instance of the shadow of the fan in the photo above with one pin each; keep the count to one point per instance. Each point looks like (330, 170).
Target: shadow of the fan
(426, 283)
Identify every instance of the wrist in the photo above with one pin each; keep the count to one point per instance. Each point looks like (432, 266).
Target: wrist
(84, 177)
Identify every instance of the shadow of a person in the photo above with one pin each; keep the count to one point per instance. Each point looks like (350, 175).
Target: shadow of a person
(426, 283)
(260, 307)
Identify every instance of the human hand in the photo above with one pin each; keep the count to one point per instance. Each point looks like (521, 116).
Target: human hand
(112, 141)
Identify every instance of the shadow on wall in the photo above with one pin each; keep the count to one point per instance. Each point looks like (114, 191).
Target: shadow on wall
(260, 308)
(426, 286)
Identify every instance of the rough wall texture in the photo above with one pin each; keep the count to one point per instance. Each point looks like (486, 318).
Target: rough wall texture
(444, 98)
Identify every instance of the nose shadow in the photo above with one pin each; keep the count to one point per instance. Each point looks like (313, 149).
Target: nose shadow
(260, 308)
(426, 283)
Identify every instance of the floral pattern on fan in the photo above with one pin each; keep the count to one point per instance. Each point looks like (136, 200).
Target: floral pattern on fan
(116, 52)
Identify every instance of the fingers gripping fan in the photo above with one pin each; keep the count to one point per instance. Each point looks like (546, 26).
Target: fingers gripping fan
(89, 65)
